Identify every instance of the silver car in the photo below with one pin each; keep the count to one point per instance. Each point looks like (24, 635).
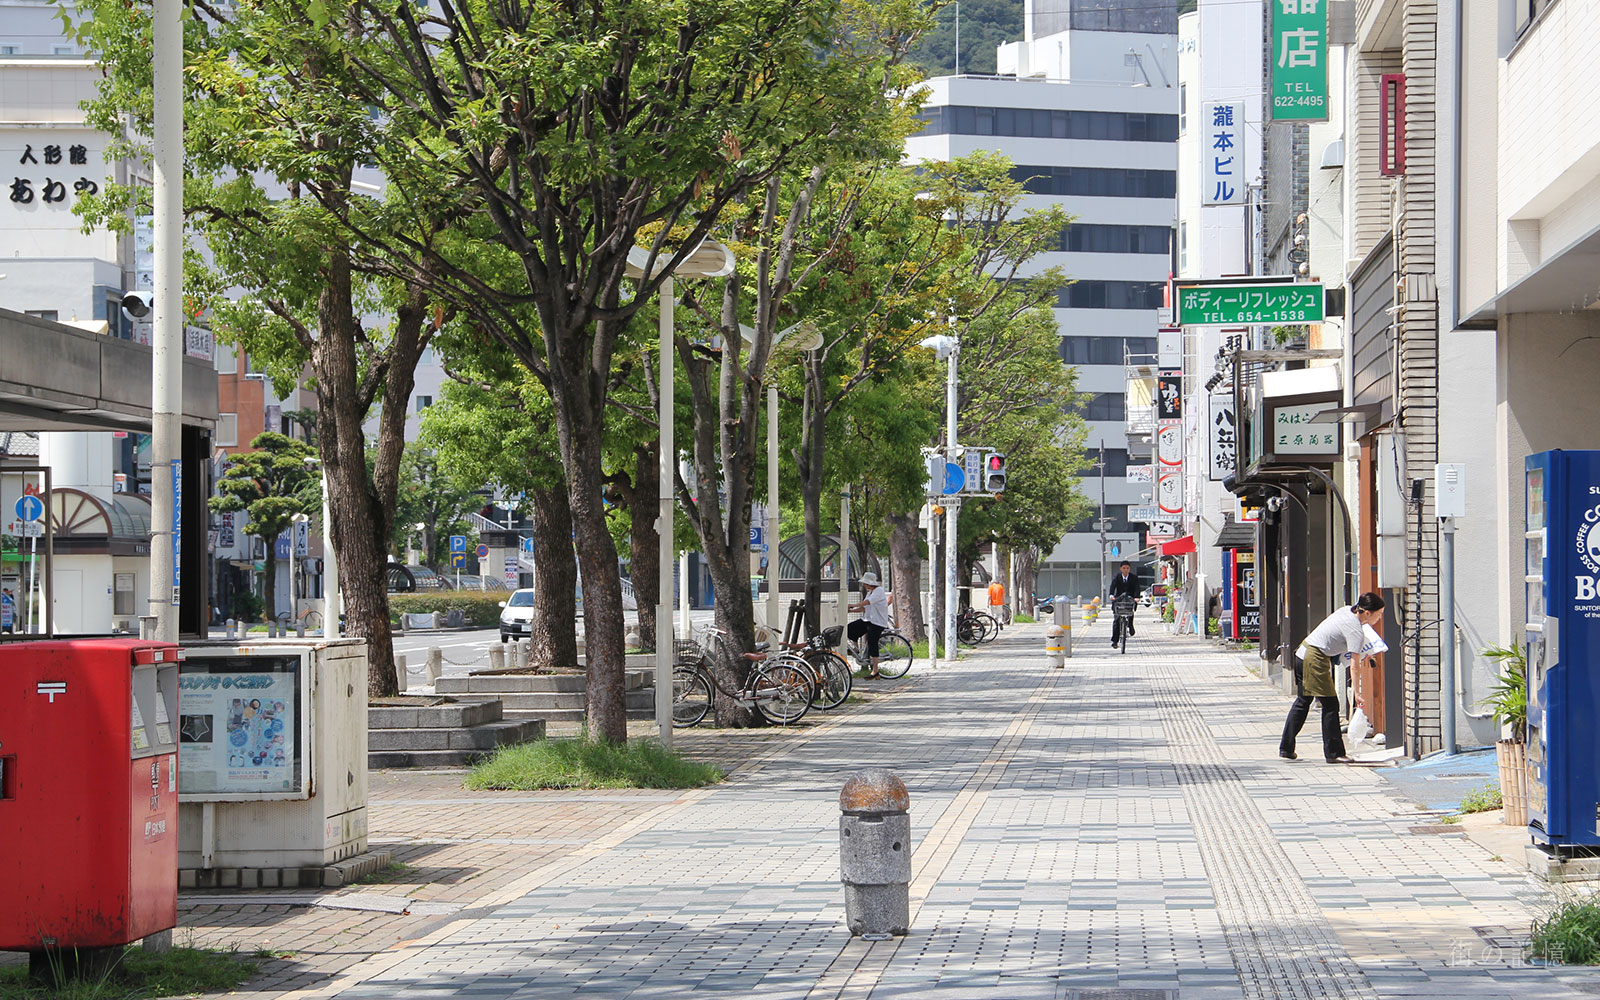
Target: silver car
(516, 615)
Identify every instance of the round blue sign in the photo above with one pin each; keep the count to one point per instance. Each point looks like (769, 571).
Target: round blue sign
(29, 507)
(955, 477)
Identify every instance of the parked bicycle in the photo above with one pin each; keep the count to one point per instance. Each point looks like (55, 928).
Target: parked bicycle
(781, 688)
(894, 651)
(974, 627)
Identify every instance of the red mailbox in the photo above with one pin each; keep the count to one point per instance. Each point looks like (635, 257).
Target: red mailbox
(88, 792)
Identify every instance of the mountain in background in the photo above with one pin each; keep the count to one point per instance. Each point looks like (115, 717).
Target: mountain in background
(984, 25)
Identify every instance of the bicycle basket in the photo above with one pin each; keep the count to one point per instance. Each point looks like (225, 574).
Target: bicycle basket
(1125, 605)
(686, 652)
(833, 634)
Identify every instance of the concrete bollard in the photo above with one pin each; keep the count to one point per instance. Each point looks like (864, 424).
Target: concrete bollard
(1062, 608)
(435, 665)
(524, 652)
(231, 624)
(497, 656)
(1053, 648)
(400, 671)
(875, 854)
(299, 628)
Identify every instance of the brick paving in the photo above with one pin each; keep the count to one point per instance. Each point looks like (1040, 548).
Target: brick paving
(1120, 829)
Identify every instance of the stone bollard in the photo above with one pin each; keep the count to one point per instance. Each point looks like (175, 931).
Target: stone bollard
(400, 671)
(1054, 648)
(299, 628)
(231, 624)
(524, 652)
(632, 638)
(435, 664)
(272, 628)
(497, 656)
(1062, 608)
(875, 854)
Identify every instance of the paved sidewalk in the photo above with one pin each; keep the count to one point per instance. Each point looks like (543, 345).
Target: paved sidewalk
(1122, 824)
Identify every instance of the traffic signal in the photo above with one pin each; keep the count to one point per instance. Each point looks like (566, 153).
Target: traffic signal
(994, 473)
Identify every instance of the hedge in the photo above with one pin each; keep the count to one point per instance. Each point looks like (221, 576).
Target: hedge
(481, 610)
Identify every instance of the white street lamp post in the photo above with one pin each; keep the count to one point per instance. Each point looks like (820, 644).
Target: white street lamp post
(166, 370)
(709, 260)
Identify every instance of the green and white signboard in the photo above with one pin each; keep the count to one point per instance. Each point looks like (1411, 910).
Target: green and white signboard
(1257, 302)
(1299, 60)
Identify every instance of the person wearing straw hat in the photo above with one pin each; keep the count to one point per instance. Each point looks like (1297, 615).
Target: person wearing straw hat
(874, 608)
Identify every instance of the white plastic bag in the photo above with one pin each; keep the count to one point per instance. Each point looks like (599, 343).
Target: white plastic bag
(1359, 726)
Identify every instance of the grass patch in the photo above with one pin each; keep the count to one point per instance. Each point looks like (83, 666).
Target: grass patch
(1452, 819)
(581, 763)
(1569, 934)
(140, 973)
(1482, 799)
(394, 871)
(1022, 619)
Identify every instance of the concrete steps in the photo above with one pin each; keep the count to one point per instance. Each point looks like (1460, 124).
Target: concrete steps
(450, 734)
(551, 697)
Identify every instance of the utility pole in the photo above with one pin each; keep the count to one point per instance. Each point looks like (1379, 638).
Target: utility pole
(1102, 522)
(166, 391)
(952, 508)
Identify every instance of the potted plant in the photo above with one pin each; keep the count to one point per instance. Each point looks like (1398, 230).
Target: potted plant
(1508, 704)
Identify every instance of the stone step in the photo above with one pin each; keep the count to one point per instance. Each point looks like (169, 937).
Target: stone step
(457, 716)
(524, 683)
(576, 714)
(538, 701)
(382, 759)
(481, 737)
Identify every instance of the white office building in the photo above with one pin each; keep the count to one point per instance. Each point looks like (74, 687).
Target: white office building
(1086, 107)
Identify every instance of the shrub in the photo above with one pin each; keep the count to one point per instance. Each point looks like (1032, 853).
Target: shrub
(582, 763)
(1482, 799)
(482, 610)
(1569, 934)
(247, 607)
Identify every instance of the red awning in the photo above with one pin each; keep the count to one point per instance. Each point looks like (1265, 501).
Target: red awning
(1178, 546)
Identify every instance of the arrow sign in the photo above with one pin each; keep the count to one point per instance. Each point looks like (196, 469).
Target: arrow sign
(954, 478)
(29, 507)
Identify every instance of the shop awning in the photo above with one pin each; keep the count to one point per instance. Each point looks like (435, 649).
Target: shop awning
(1178, 546)
(1236, 535)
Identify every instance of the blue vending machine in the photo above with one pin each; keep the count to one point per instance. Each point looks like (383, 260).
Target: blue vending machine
(1562, 641)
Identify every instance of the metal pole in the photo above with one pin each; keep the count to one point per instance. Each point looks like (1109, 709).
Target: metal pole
(774, 563)
(844, 566)
(332, 596)
(1447, 634)
(166, 369)
(669, 465)
(953, 507)
(1100, 467)
(933, 581)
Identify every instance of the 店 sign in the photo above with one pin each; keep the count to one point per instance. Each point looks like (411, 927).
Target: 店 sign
(1222, 177)
(1299, 60)
(1216, 305)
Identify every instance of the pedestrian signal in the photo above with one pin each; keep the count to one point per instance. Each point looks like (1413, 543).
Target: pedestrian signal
(994, 473)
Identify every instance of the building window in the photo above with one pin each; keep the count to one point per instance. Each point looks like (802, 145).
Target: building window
(1183, 246)
(49, 314)
(63, 50)
(1117, 512)
(227, 430)
(227, 361)
(1111, 295)
(1183, 109)
(1092, 237)
(10, 50)
(1528, 11)
(1097, 182)
(1104, 350)
(1392, 126)
(963, 119)
(423, 402)
(1104, 406)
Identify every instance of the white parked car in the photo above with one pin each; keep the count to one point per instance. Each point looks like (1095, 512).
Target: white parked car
(516, 615)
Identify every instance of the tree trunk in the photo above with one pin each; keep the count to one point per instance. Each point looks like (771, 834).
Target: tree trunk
(811, 457)
(1023, 582)
(269, 585)
(554, 633)
(905, 555)
(643, 539)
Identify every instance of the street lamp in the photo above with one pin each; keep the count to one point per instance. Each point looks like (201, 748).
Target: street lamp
(330, 561)
(296, 561)
(708, 260)
(948, 349)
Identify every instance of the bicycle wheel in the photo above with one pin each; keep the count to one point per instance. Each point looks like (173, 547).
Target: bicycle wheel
(782, 691)
(968, 632)
(894, 655)
(1126, 626)
(691, 697)
(834, 678)
(990, 629)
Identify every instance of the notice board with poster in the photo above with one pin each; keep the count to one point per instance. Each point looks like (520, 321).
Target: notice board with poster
(243, 728)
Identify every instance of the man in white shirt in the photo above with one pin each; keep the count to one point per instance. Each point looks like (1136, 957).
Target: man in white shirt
(874, 608)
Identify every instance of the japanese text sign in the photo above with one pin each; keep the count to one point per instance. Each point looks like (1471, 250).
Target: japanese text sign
(1299, 60)
(1302, 430)
(1223, 430)
(1169, 396)
(1215, 305)
(1222, 176)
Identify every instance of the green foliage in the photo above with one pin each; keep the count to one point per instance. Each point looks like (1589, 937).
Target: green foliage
(246, 606)
(584, 763)
(1022, 619)
(430, 495)
(1508, 698)
(1169, 611)
(1569, 934)
(481, 610)
(271, 484)
(1213, 626)
(139, 974)
(1482, 799)
(984, 25)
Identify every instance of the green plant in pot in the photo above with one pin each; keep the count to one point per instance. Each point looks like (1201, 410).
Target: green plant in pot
(1508, 705)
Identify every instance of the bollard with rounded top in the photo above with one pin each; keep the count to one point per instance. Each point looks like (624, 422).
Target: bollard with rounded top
(435, 664)
(1063, 615)
(400, 672)
(497, 657)
(1054, 649)
(875, 854)
(230, 628)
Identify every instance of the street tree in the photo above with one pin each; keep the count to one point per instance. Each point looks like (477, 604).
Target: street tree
(567, 130)
(430, 496)
(272, 483)
(273, 147)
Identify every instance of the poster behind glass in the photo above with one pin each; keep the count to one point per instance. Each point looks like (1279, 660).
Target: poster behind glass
(240, 727)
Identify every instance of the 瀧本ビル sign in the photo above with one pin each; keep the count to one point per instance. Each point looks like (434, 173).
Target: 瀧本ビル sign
(1222, 176)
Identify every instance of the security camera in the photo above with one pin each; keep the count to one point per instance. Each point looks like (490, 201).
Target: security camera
(942, 345)
(137, 305)
(1274, 504)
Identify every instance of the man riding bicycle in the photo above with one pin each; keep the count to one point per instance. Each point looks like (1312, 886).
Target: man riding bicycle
(874, 608)
(1124, 584)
